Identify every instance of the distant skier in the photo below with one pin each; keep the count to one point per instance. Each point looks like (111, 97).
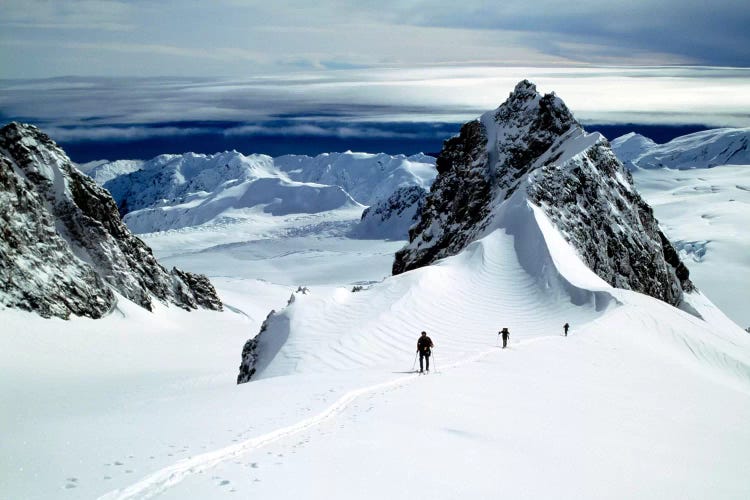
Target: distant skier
(565, 327)
(424, 348)
(505, 333)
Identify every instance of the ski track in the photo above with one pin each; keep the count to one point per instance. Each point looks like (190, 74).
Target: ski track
(168, 477)
(345, 339)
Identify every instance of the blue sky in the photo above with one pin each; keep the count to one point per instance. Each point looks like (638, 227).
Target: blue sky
(89, 71)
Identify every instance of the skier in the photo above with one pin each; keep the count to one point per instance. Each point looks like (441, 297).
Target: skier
(505, 333)
(565, 327)
(424, 346)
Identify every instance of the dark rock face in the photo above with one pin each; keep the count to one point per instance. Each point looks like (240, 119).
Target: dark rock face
(38, 271)
(593, 204)
(250, 353)
(533, 142)
(458, 199)
(77, 225)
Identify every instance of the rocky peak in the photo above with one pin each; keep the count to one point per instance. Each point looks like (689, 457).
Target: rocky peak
(532, 142)
(64, 247)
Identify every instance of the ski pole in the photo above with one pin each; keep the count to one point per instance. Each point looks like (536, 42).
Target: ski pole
(414, 365)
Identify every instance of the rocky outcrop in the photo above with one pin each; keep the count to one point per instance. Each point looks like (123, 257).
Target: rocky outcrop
(593, 203)
(60, 219)
(250, 354)
(391, 218)
(533, 142)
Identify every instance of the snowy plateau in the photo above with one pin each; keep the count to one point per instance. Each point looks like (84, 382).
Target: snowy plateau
(642, 399)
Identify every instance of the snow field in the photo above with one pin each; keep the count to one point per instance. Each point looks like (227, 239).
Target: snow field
(704, 212)
(588, 416)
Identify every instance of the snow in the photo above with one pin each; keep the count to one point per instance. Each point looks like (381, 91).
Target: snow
(177, 191)
(709, 148)
(103, 171)
(698, 186)
(641, 400)
(704, 214)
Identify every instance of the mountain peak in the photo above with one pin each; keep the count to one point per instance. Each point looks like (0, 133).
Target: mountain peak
(532, 150)
(524, 88)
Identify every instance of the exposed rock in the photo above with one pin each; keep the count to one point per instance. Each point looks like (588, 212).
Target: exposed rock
(533, 142)
(58, 216)
(250, 353)
(391, 218)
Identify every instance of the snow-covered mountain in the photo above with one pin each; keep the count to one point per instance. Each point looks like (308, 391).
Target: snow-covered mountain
(103, 171)
(64, 248)
(176, 191)
(368, 178)
(532, 150)
(710, 148)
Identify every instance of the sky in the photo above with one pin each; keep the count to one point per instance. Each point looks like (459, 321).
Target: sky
(96, 74)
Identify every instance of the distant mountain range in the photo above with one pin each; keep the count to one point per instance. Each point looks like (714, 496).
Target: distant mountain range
(174, 191)
(710, 148)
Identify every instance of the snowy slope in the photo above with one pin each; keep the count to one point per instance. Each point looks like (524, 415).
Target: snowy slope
(392, 217)
(630, 147)
(710, 148)
(368, 178)
(103, 171)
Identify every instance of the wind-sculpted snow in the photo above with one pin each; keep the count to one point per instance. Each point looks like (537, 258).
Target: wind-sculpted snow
(710, 148)
(64, 245)
(176, 191)
(532, 143)
(503, 279)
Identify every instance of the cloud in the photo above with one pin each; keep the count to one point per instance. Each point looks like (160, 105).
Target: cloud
(84, 134)
(333, 129)
(345, 103)
(675, 31)
(106, 15)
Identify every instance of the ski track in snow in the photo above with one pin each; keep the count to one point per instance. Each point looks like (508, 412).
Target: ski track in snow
(163, 479)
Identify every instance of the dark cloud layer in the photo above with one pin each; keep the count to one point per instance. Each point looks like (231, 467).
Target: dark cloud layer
(397, 112)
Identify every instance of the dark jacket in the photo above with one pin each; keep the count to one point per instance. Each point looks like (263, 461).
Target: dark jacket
(424, 344)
